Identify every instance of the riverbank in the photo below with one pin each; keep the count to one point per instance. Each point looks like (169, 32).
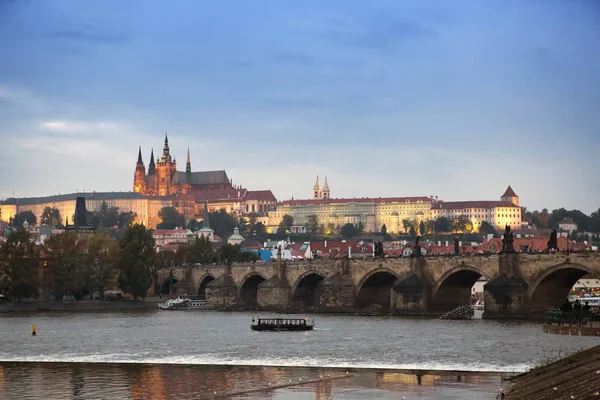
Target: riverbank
(83, 305)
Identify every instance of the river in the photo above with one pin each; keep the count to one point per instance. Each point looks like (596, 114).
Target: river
(106, 354)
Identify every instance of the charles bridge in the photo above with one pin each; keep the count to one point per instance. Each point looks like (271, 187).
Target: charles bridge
(520, 285)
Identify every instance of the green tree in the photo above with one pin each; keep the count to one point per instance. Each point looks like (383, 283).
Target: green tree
(360, 228)
(230, 253)
(331, 229)
(65, 258)
(222, 223)
(442, 224)
(312, 224)
(407, 224)
(19, 262)
(200, 251)
(252, 220)
(260, 230)
(194, 225)
(51, 217)
(383, 230)
(486, 228)
(282, 229)
(110, 219)
(422, 228)
(102, 259)
(171, 218)
(349, 231)
(126, 219)
(288, 221)
(412, 231)
(22, 216)
(137, 261)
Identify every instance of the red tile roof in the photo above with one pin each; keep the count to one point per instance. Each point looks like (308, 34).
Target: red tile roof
(218, 194)
(459, 205)
(379, 200)
(509, 192)
(261, 195)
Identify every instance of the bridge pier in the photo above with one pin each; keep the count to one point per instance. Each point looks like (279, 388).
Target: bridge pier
(221, 291)
(337, 294)
(506, 296)
(411, 296)
(274, 293)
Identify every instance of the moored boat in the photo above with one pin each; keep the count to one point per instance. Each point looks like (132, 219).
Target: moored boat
(281, 324)
(182, 302)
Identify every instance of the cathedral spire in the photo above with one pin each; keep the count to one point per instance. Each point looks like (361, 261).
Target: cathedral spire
(205, 221)
(166, 157)
(140, 156)
(325, 186)
(188, 163)
(317, 184)
(152, 166)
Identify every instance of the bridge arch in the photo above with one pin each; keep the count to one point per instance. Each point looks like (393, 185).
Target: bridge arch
(453, 289)
(375, 288)
(248, 289)
(165, 287)
(305, 289)
(205, 280)
(553, 286)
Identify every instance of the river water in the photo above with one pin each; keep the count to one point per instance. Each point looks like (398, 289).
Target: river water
(199, 354)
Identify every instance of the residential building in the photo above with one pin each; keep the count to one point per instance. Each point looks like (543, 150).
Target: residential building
(567, 225)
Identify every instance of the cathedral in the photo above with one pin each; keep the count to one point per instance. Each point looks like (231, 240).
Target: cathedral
(163, 179)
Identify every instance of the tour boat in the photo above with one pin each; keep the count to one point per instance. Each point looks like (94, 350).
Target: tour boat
(182, 302)
(281, 324)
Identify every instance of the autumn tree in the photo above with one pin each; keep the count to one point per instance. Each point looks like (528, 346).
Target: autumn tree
(65, 257)
(19, 262)
(102, 259)
(137, 261)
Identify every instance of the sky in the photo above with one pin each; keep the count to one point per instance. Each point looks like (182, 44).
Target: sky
(385, 98)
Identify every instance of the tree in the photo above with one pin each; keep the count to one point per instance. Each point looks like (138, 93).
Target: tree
(200, 251)
(126, 218)
(51, 217)
(222, 223)
(312, 224)
(65, 258)
(288, 221)
(260, 230)
(360, 227)
(407, 224)
(22, 216)
(110, 218)
(230, 253)
(412, 231)
(282, 229)
(19, 262)
(442, 224)
(252, 220)
(486, 228)
(137, 261)
(170, 217)
(102, 259)
(330, 230)
(422, 228)
(383, 230)
(193, 225)
(349, 230)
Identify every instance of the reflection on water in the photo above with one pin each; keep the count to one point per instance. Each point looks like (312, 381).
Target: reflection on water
(163, 381)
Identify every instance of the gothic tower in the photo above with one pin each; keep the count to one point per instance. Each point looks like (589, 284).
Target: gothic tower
(164, 170)
(317, 194)
(139, 179)
(326, 193)
(510, 196)
(188, 163)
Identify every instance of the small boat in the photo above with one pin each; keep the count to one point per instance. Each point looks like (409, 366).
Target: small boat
(182, 302)
(282, 324)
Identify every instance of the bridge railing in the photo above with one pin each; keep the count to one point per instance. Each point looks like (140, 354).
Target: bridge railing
(574, 317)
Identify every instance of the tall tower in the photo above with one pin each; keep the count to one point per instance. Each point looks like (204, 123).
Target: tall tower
(152, 166)
(317, 194)
(510, 196)
(164, 172)
(326, 193)
(188, 163)
(139, 179)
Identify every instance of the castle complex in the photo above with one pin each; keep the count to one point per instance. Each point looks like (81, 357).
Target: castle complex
(188, 192)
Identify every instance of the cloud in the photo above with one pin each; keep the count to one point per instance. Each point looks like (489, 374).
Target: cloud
(90, 34)
(65, 126)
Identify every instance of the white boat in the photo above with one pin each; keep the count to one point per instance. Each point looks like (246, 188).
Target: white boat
(478, 305)
(182, 302)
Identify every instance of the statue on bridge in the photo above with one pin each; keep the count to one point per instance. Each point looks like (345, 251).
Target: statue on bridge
(456, 247)
(378, 249)
(417, 249)
(508, 240)
(553, 242)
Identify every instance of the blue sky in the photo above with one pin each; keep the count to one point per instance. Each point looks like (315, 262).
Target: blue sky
(385, 98)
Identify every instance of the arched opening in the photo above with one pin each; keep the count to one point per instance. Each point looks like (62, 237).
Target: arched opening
(552, 291)
(306, 293)
(167, 284)
(249, 290)
(455, 290)
(202, 286)
(376, 290)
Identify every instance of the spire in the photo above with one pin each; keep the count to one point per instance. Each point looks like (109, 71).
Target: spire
(325, 186)
(205, 221)
(140, 156)
(152, 166)
(188, 163)
(317, 184)
(166, 157)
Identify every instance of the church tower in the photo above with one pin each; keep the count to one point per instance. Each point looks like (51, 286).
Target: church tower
(326, 193)
(188, 163)
(139, 179)
(317, 193)
(510, 196)
(165, 168)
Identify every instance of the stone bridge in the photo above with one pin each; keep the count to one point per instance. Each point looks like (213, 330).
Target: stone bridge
(519, 285)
